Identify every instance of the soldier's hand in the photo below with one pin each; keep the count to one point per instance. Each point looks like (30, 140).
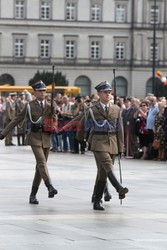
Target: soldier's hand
(2, 136)
(120, 155)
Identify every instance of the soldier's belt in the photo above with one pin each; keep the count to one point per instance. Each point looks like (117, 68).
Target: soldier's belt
(109, 133)
(39, 128)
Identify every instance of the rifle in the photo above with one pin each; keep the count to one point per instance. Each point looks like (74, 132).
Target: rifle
(53, 90)
(115, 88)
(119, 157)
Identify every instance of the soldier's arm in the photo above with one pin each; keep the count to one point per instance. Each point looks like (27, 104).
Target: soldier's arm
(20, 117)
(74, 123)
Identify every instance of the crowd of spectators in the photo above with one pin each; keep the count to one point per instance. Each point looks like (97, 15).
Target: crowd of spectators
(144, 120)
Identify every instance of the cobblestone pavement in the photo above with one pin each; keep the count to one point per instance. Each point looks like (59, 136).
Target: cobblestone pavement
(68, 221)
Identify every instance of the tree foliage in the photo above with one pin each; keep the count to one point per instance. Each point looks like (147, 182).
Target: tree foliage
(47, 78)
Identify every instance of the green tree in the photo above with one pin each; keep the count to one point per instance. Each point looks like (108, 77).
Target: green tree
(47, 78)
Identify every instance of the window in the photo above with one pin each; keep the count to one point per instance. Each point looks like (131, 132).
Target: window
(19, 47)
(44, 48)
(96, 12)
(45, 10)
(120, 51)
(95, 50)
(122, 86)
(71, 11)
(19, 9)
(155, 13)
(85, 84)
(70, 49)
(156, 52)
(120, 13)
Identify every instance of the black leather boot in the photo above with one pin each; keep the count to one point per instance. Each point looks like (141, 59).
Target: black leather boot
(121, 190)
(94, 194)
(51, 190)
(18, 140)
(107, 195)
(100, 185)
(33, 199)
(23, 139)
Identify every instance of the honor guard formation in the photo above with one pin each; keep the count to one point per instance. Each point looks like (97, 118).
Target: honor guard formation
(129, 128)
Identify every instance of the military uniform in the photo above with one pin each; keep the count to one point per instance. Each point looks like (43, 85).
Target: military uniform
(39, 138)
(105, 129)
(10, 114)
(21, 128)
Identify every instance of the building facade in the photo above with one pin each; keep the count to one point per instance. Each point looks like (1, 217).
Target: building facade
(86, 40)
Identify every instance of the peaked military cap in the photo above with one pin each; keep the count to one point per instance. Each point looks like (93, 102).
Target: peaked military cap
(103, 86)
(39, 86)
(127, 99)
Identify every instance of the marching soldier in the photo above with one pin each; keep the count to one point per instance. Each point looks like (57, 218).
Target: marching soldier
(38, 111)
(104, 124)
(10, 114)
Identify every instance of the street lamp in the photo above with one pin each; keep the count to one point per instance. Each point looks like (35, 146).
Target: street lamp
(154, 51)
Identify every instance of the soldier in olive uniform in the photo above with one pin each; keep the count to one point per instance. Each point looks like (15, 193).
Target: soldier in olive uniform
(104, 123)
(10, 115)
(38, 112)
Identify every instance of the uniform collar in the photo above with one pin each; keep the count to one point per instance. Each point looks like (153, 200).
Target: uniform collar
(104, 105)
(42, 102)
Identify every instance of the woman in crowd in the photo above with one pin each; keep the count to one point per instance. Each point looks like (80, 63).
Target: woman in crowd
(140, 117)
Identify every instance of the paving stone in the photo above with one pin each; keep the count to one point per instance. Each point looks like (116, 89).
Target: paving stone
(68, 221)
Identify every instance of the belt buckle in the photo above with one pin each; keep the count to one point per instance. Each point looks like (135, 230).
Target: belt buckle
(109, 133)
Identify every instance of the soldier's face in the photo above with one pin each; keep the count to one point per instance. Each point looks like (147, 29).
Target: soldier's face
(40, 94)
(105, 96)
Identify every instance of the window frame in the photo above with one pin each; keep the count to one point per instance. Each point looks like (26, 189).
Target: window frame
(19, 37)
(124, 50)
(46, 37)
(158, 13)
(97, 50)
(49, 7)
(98, 16)
(70, 49)
(99, 40)
(157, 52)
(73, 39)
(125, 12)
(19, 46)
(23, 15)
(44, 47)
(72, 11)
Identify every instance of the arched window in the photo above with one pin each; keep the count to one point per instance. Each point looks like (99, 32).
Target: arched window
(6, 79)
(159, 89)
(85, 84)
(121, 86)
(149, 88)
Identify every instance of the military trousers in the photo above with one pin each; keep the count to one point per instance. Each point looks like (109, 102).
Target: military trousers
(41, 172)
(8, 138)
(105, 163)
